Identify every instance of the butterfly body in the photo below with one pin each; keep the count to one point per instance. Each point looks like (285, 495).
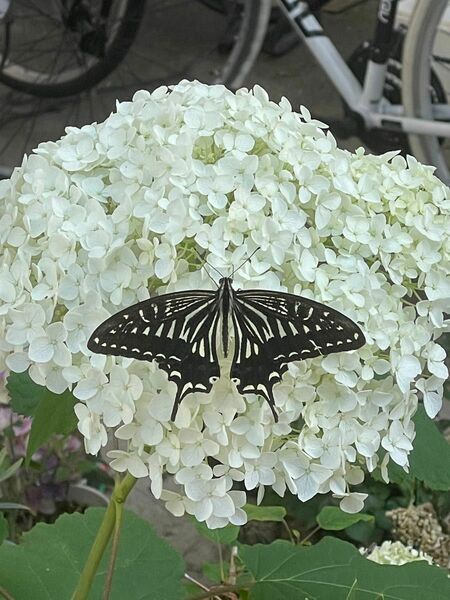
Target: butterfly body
(270, 329)
(225, 292)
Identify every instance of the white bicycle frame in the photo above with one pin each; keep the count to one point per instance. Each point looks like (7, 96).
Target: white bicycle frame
(366, 100)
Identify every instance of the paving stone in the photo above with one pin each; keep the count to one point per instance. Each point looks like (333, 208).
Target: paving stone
(179, 532)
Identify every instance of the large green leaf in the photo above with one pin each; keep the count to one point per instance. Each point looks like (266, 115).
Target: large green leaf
(335, 570)
(48, 562)
(332, 518)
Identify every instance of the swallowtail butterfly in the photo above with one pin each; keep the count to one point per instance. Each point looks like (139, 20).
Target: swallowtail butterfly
(180, 330)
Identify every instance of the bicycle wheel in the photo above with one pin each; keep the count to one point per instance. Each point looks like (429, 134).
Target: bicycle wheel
(214, 42)
(427, 52)
(62, 48)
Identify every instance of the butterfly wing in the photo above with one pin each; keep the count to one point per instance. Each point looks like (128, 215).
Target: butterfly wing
(177, 330)
(273, 329)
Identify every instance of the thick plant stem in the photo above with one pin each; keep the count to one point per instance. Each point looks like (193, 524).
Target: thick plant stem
(102, 538)
(114, 549)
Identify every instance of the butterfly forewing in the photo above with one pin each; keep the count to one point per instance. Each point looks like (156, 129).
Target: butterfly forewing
(177, 330)
(274, 328)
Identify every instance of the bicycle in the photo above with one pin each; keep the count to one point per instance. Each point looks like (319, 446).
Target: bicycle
(403, 82)
(224, 38)
(68, 61)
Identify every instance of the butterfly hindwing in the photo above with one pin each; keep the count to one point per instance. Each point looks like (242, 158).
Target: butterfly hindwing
(275, 328)
(177, 330)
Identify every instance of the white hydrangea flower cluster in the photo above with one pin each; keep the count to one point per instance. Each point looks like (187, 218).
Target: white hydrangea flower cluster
(115, 211)
(396, 553)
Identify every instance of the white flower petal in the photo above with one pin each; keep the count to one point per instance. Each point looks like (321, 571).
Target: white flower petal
(353, 503)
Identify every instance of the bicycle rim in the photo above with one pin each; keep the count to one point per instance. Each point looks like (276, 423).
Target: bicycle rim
(427, 51)
(177, 39)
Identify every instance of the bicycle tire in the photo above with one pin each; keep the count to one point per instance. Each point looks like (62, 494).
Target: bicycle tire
(19, 78)
(248, 42)
(417, 51)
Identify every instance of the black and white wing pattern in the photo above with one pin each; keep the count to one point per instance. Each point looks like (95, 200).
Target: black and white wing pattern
(272, 329)
(177, 330)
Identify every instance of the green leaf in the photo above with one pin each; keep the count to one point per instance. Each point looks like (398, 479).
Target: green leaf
(362, 533)
(428, 444)
(54, 414)
(430, 459)
(265, 513)
(224, 535)
(332, 518)
(48, 562)
(213, 572)
(3, 528)
(7, 473)
(24, 393)
(398, 475)
(14, 506)
(335, 569)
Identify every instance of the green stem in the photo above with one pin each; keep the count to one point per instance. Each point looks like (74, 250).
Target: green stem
(11, 518)
(310, 534)
(102, 538)
(288, 529)
(114, 549)
(222, 572)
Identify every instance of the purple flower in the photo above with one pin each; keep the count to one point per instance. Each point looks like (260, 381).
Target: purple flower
(5, 417)
(22, 425)
(73, 444)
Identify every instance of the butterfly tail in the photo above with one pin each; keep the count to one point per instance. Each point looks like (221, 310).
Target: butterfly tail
(176, 404)
(271, 402)
(177, 401)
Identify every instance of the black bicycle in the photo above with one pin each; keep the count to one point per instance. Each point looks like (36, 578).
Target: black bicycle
(68, 61)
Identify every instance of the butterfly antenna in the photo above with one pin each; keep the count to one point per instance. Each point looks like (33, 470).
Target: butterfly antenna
(210, 276)
(202, 258)
(245, 261)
